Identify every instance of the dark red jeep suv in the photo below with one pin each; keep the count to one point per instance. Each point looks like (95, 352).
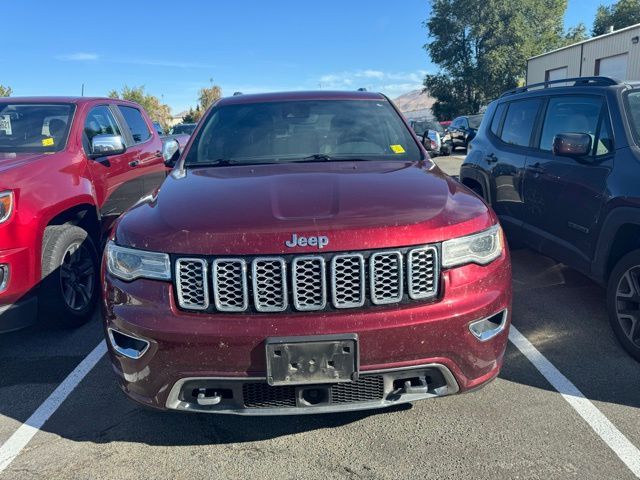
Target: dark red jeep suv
(305, 256)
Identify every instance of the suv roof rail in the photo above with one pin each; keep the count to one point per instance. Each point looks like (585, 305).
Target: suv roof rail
(577, 82)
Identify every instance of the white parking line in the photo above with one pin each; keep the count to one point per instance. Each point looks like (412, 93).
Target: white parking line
(622, 447)
(21, 437)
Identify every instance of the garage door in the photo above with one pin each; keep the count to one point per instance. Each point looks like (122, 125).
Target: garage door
(615, 67)
(557, 74)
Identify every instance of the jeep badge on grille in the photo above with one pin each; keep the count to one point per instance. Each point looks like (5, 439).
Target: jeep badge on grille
(299, 241)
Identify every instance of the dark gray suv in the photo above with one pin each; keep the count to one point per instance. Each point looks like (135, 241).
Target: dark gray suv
(561, 168)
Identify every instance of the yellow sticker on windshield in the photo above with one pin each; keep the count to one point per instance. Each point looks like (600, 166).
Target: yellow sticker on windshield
(397, 148)
(47, 142)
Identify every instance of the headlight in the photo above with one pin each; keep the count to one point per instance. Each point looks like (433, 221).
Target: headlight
(480, 248)
(129, 263)
(6, 205)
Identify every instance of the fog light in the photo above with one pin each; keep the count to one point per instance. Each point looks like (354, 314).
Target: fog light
(487, 328)
(4, 276)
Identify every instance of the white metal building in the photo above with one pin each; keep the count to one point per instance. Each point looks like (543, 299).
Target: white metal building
(615, 54)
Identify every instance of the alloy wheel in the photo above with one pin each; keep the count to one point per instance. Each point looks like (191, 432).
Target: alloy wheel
(77, 277)
(628, 304)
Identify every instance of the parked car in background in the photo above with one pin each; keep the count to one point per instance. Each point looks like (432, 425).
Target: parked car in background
(183, 128)
(158, 128)
(335, 268)
(463, 129)
(561, 167)
(68, 168)
(437, 141)
(181, 133)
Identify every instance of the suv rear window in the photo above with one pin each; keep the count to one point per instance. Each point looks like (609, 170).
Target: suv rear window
(30, 127)
(284, 131)
(518, 124)
(138, 127)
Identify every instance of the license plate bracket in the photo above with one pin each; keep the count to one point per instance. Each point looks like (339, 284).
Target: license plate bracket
(312, 359)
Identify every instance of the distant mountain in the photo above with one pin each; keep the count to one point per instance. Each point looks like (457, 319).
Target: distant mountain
(414, 101)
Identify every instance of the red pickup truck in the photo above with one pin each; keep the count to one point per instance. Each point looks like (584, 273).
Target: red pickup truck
(68, 168)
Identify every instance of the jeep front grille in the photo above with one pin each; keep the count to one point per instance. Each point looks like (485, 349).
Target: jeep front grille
(191, 283)
(307, 282)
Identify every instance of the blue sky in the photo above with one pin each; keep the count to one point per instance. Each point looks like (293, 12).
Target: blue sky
(174, 48)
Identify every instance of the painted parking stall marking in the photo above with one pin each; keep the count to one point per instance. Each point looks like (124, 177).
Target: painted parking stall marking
(615, 440)
(12, 447)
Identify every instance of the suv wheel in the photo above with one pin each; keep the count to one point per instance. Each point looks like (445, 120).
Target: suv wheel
(623, 302)
(69, 287)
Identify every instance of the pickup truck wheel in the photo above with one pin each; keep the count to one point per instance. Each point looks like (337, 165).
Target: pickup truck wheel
(623, 302)
(69, 287)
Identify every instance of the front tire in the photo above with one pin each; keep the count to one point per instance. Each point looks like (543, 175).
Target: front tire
(69, 287)
(623, 302)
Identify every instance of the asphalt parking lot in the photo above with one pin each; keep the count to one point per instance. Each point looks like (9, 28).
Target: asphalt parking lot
(519, 426)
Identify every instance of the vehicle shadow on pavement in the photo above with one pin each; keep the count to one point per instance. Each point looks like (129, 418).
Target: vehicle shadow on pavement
(563, 314)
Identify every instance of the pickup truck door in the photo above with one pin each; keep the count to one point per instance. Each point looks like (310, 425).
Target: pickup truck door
(564, 196)
(146, 146)
(115, 186)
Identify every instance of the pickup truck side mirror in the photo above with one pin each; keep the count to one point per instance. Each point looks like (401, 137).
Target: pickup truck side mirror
(105, 144)
(170, 152)
(573, 145)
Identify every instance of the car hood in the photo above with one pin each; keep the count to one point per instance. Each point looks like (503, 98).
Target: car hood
(9, 161)
(256, 209)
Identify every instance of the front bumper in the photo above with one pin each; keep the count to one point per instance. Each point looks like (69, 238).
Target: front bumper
(253, 396)
(187, 352)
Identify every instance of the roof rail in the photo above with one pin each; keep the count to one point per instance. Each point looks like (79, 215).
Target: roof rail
(577, 82)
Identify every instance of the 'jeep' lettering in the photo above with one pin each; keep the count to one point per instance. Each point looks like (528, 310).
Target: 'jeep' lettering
(299, 241)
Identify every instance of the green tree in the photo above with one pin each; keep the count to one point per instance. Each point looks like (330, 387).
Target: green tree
(157, 110)
(192, 115)
(619, 15)
(482, 46)
(207, 96)
(5, 91)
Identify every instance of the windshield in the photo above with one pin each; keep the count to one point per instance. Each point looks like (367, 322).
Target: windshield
(475, 121)
(316, 130)
(183, 129)
(30, 127)
(633, 106)
(422, 126)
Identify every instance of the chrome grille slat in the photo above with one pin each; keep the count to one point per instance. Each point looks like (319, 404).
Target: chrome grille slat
(269, 276)
(385, 277)
(347, 281)
(230, 289)
(309, 283)
(191, 283)
(317, 281)
(422, 272)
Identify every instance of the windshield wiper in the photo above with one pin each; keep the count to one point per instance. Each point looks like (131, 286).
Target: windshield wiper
(323, 157)
(220, 162)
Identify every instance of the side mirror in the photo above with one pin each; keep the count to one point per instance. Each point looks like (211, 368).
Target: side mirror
(572, 144)
(105, 144)
(170, 152)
